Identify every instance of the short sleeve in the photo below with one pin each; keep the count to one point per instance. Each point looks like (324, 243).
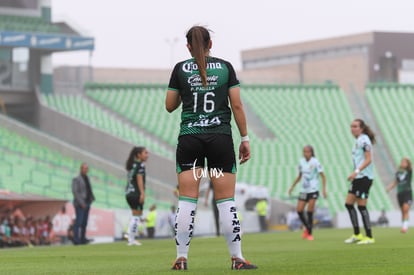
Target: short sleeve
(174, 83)
(141, 169)
(366, 144)
(233, 81)
(318, 166)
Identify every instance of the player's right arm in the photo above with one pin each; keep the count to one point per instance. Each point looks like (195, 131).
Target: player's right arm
(391, 186)
(294, 183)
(172, 100)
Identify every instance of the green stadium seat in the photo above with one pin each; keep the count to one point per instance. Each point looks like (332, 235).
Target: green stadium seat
(28, 167)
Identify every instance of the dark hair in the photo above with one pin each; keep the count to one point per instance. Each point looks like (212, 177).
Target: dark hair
(134, 152)
(198, 38)
(366, 130)
(310, 147)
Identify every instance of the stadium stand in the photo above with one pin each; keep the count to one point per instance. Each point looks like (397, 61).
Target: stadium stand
(27, 24)
(28, 167)
(86, 111)
(141, 104)
(296, 114)
(392, 105)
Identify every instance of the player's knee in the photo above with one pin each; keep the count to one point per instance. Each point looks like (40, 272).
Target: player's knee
(349, 206)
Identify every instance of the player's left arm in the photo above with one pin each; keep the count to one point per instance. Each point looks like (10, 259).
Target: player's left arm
(367, 161)
(324, 194)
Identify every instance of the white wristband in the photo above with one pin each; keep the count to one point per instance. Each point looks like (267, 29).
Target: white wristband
(245, 138)
(357, 171)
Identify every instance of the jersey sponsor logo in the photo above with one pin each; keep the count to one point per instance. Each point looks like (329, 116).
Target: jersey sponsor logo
(195, 80)
(204, 121)
(189, 67)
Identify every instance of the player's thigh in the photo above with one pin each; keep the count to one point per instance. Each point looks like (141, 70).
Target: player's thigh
(300, 205)
(350, 198)
(311, 205)
(224, 186)
(188, 184)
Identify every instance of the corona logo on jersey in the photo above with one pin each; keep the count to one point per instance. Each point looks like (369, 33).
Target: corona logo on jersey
(189, 67)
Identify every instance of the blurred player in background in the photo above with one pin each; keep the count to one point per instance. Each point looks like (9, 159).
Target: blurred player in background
(361, 180)
(205, 86)
(309, 171)
(404, 191)
(213, 206)
(135, 189)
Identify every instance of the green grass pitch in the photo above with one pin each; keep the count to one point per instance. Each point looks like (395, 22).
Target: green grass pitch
(274, 253)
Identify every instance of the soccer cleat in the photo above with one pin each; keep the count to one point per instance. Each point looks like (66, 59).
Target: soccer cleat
(309, 237)
(305, 234)
(354, 238)
(366, 240)
(239, 264)
(137, 243)
(404, 230)
(180, 264)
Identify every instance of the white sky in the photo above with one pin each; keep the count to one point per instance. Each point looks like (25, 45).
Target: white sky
(134, 33)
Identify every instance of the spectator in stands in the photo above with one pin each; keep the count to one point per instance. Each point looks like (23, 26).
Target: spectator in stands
(135, 189)
(214, 207)
(361, 180)
(310, 170)
(404, 191)
(262, 212)
(70, 231)
(82, 200)
(206, 85)
(31, 224)
(151, 221)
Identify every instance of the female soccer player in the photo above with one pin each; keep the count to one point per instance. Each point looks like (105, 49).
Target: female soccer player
(205, 86)
(361, 180)
(135, 189)
(404, 191)
(309, 171)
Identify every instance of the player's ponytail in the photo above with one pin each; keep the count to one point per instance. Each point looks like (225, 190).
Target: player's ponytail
(132, 156)
(367, 130)
(198, 39)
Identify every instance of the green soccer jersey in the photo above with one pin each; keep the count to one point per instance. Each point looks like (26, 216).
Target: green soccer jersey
(138, 168)
(205, 110)
(403, 179)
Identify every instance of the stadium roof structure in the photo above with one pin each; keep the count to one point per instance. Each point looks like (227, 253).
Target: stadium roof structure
(37, 33)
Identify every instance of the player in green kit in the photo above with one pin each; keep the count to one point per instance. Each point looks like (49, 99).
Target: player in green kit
(404, 191)
(205, 86)
(135, 189)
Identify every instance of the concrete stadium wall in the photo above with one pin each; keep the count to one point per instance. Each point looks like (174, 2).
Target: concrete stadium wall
(344, 71)
(281, 74)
